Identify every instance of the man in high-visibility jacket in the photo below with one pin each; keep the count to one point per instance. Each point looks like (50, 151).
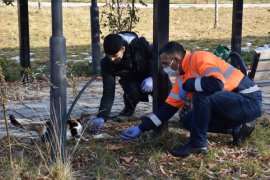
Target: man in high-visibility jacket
(224, 99)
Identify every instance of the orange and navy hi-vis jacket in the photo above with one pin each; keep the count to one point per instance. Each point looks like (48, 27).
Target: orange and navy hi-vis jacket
(203, 64)
(206, 72)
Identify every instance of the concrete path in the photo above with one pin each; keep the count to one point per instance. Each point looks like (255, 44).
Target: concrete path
(35, 104)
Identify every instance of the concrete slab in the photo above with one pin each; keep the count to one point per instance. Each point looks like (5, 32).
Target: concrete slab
(37, 108)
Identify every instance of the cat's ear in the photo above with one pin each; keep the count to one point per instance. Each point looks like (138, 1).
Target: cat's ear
(79, 120)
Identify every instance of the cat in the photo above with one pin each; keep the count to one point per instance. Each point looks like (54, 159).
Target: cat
(74, 128)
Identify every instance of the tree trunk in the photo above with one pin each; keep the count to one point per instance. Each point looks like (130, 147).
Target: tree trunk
(39, 4)
(216, 14)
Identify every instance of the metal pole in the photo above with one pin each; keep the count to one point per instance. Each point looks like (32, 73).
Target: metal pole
(237, 18)
(95, 36)
(58, 82)
(24, 35)
(160, 37)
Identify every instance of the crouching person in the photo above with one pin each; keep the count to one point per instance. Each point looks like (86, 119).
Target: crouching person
(224, 99)
(129, 57)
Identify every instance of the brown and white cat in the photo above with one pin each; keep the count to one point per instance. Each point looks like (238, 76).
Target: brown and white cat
(74, 128)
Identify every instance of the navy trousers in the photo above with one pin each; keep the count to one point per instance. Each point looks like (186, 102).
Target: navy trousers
(220, 112)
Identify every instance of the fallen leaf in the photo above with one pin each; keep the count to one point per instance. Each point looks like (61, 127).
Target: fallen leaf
(127, 159)
(162, 170)
(241, 156)
(243, 175)
(210, 165)
(114, 147)
(224, 152)
(149, 172)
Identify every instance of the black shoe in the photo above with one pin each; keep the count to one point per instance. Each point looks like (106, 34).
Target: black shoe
(188, 149)
(125, 114)
(245, 131)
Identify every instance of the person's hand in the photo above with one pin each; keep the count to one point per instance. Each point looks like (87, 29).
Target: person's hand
(147, 85)
(183, 94)
(96, 124)
(131, 133)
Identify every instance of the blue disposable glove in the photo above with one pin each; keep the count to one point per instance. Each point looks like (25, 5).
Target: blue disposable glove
(147, 85)
(131, 133)
(183, 94)
(96, 124)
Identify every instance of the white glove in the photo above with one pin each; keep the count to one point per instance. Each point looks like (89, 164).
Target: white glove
(147, 85)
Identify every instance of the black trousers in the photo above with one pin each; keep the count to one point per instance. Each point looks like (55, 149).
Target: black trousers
(132, 92)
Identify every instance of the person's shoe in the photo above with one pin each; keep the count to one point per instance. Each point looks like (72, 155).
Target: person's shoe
(244, 132)
(188, 149)
(125, 114)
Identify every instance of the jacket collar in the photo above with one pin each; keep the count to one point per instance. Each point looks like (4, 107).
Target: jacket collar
(185, 61)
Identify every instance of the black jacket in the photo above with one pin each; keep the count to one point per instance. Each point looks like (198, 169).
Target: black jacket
(136, 64)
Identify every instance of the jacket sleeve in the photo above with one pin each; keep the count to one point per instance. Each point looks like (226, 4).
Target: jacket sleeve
(108, 93)
(209, 76)
(161, 115)
(208, 84)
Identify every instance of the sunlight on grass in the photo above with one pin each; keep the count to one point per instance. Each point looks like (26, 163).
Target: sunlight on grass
(199, 34)
(61, 171)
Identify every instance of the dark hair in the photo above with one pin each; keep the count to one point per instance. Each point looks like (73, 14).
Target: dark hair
(112, 44)
(172, 48)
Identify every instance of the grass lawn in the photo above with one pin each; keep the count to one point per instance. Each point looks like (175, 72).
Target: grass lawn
(147, 157)
(192, 27)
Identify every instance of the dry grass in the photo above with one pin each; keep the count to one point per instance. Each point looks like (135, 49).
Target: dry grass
(147, 157)
(192, 27)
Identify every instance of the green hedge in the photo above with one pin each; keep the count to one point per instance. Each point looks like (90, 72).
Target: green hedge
(12, 69)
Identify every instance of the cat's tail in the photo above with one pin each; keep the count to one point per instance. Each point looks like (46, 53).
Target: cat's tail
(40, 128)
(14, 122)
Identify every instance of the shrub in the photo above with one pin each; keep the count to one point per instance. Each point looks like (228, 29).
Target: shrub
(247, 56)
(11, 70)
(121, 16)
(78, 69)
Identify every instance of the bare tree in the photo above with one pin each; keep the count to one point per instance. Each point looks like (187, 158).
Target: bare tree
(121, 16)
(216, 14)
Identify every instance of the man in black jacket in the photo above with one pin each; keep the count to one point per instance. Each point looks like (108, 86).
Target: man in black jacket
(130, 58)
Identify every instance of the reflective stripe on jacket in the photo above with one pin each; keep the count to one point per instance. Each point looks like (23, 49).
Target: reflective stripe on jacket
(203, 64)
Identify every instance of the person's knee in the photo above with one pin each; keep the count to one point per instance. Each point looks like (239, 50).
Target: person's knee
(199, 97)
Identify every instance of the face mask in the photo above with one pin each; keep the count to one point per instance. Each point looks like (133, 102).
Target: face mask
(170, 71)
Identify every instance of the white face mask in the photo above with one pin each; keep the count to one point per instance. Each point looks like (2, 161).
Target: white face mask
(170, 71)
